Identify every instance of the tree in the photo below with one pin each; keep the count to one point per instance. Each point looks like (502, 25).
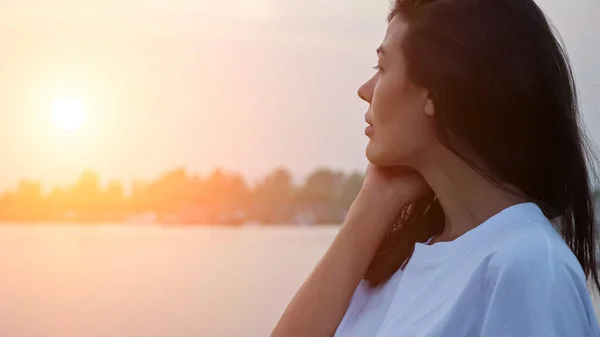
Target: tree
(237, 192)
(320, 194)
(86, 195)
(57, 202)
(113, 200)
(350, 188)
(30, 200)
(169, 192)
(25, 203)
(223, 194)
(322, 186)
(272, 197)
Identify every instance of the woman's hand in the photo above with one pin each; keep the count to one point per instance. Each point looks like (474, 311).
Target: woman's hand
(397, 185)
(321, 302)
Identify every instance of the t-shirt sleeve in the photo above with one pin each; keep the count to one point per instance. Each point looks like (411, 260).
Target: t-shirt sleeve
(533, 298)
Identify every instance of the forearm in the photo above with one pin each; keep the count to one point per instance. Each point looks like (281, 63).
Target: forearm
(319, 305)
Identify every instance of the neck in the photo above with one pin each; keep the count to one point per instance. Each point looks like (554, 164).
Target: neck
(467, 198)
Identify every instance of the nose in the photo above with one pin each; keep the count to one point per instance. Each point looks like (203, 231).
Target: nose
(365, 92)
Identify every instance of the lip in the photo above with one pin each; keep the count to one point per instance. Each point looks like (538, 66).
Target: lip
(369, 129)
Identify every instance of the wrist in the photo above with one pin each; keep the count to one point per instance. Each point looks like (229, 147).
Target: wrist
(387, 203)
(371, 215)
(384, 196)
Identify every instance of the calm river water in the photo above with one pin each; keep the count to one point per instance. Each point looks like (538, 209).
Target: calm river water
(151, 281)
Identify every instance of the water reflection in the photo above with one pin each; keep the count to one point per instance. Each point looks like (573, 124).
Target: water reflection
(151, 281)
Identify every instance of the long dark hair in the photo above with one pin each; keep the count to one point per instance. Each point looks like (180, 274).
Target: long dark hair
(504, 93)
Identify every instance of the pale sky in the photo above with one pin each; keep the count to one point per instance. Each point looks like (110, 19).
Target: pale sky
(246, 85)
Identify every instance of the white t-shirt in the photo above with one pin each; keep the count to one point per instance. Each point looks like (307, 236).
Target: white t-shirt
(512, 276)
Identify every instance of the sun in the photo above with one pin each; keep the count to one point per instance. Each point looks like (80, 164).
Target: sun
(68, 113)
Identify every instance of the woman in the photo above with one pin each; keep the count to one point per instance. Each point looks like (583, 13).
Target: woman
(475, 146)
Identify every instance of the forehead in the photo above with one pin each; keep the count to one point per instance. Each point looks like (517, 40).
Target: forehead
(396, 30)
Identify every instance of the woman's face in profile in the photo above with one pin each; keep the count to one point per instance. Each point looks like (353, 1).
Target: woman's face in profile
(400, 113)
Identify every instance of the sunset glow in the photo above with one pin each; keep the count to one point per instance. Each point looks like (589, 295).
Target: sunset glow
(68, 114)
(132, 88)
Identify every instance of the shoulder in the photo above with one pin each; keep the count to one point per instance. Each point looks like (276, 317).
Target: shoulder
(534, 284)
(529, 250)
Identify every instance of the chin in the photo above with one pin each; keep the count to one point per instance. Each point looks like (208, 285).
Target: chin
(377, 156)
(382, 157)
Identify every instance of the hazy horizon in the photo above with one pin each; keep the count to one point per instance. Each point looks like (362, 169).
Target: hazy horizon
(245, 86)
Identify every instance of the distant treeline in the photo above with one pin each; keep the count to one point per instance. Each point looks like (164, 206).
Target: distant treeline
(179, 197)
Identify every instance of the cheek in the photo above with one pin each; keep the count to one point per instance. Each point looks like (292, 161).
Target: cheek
(385, 101)
(402, 129)
(396, 109)
(403, 141)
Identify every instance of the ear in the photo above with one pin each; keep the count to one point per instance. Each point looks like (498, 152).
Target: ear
(429, 108)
